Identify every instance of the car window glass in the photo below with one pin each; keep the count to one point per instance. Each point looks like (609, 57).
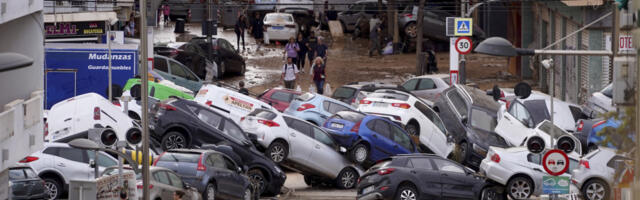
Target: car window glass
(228, 46)
(189, 74)
(234, 131)
(447, 80)
(426, 84)
(103, 160)
(427, 112)
(322, 137)
(177, 70)
(400, 137)
(458, 103)
(326, 105)
(382, 128)
(334, 108)
(218, 162)
(356, 8)
(16, 174)
(421, 163)
(281, 96)
(608, 91)
(161, 176)
(483, 120)
(73, 154)
(410, 85)
(534, 158)
(175, 180)
(160, 64)
(209, 117)
(303, 127)
(521, 114)
(573, 164)
(343, 93)
(30, 173)
(616, 159)
(577, 113)
(51, 151)
(209, 160)
(448, 166)
(230, 166)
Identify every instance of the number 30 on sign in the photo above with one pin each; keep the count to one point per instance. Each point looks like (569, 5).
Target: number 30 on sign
(463, 45)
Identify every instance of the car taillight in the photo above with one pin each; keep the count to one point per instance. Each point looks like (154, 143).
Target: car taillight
(580, 126)
(401, 105)
(268, 123)
(409, 15)
(28, 159)
(386, 171)
(353, 100)
(116, 102)
(574, 181)
(585, 163)
(241, 118)
(365, 102)
(356, 127)
(397, 118)
(166, 107)
(507, 104)
(305, 107)
(156, 161)
(201, 167)
(598, 124)
(495, 158)
(209, 103)
(96, 113)
(140, 186)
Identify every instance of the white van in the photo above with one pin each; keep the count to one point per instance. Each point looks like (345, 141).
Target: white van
(229, 101)
(83, 112)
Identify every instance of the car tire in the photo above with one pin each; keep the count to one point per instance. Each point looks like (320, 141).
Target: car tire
(359, 153)
(489, 193)
(311, 181)
(53, 188)
(596, 190)
(174, 140)
(347, 179)
(242, 70)
(277, 152)
(520, 188)
(407, 192)
(209, 192)
(258, 178)
(411, 30)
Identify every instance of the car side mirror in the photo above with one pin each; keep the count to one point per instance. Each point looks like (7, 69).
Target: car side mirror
(92, 163)
(343, 149)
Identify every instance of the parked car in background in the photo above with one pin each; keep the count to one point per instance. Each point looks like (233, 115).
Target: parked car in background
(359, 11)
(428, 87)
(315, 108)
(194, 56)
(164, 183)
(519, 170)
(603, 129)
(295, 6)
(369, 138)
(24, 183)
(407, 110)
(83, 112)
(598, 173)
(470, 116)
(176, 72)
(424, 176)
(180, 123)
(434, 27)
(167, 51)
(600, 102)
(230, 102)
(352, 93)
(262, 6)
(279, 98)
(58, 163)
(224, 54)
(583, 130)
(280, 26)
(302, 146)
(212, 173)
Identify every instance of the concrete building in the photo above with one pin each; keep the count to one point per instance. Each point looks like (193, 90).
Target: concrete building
(21, 83)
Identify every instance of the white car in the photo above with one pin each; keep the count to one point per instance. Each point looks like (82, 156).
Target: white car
(596, 174)
(428, 86)
(519, 170)
(280, 26)
(301, 145)
(546, 130)
(295, 6)
(83, 112)
(416, 116)
(57, 164)
(230, 102)
(600, 102)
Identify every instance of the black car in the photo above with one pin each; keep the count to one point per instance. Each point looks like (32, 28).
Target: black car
(471, 117)
(179, 123)
(212, 173)
(226, 57)
(25, 184)
(424, 176)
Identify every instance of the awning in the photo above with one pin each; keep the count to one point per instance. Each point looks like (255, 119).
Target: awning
(82, 16)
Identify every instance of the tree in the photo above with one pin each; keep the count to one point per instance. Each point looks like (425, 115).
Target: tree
(620, 137)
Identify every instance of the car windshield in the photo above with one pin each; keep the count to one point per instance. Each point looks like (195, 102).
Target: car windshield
(180, 157)
(278, 18)
(305, 97)
(263, 114)
(551, 129)
(483, 120)
(344, 92)
(350, 116)
(389, 95)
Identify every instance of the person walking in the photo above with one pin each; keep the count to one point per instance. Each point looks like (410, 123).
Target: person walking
(374, 41)
(242, 89)
(291, 50)
(321, 50)
(302, 54)
(289, 74)
(317, 74)
(432, 63)
(166, 12)
(311, 44)
(257, 29)
(241, 26)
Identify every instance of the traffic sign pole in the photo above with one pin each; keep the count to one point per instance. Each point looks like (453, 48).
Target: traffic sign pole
(453, 61)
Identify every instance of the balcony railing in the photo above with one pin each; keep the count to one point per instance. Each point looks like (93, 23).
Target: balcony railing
(71, 6)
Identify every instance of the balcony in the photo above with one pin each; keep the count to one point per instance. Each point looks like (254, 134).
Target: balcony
(74, 6)
(21, 129)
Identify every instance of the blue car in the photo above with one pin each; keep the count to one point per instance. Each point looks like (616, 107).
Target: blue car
(369, 138)
(315, 108)
(593, 140)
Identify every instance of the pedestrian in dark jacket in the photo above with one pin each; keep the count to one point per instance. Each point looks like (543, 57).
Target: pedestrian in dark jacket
(241, 26)
(312, 42)
(318, 75)
(321, 50)
(242, 89)
(302, 54)
(257, 29)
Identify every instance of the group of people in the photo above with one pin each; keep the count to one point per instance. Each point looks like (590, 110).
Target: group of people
(296, 51)
(255, 27)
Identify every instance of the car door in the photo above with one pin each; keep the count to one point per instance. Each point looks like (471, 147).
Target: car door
(162, 185)
(403, 145)
(426, 88)
(430, 188)
(238, 60)
(236, 185)
(437, 132)
(382, 145)
(74, 164)
(515, 124)
(209, 123)
(182, 77)
(102, 162)
(300, 144)
(221, 173)
(324, 155)
(178, 185)
(454, 180)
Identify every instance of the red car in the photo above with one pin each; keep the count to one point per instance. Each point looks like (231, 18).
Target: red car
(279, 98)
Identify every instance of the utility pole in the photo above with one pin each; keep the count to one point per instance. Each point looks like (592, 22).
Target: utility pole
(145, 98)
(110, 92)
(209, 24)
(419, 57)
(463, 61)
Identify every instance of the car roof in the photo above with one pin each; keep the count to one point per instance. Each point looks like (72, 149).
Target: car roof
(479, 98)
(56, 144)
(432, 76)
(279, 13)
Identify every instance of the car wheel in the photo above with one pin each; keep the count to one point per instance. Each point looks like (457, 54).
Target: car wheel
(174, 140)
(243, 69)
(53, 188)
(520, 188)
(347, 178)
(407, 192)
(411, 30)
(359, 153)
(356, 32)
(277, 152)
(209, 192)
(257, 178)
(311, 181)
(489, 193)
(595, 190)
(221, 69)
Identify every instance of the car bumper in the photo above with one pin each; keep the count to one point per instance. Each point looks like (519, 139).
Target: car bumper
(370, 196)
(494, 171)
(283, 34)
(277, 181)
(377, 192)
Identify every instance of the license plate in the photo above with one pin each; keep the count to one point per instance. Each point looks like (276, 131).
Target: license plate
(337, 125)
(278, 27)
(379, 104)
(367, 190)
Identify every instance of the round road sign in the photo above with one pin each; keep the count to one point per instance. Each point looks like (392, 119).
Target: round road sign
(555, 162)
(464, 45)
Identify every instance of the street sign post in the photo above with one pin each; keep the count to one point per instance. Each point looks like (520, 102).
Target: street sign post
(453, 61)
(463, 45)
(463, 27)
(555, 162)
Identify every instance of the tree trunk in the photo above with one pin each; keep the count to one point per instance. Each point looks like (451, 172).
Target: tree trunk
(419, 58)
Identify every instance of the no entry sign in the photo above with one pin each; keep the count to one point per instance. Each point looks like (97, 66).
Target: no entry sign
(555, 162)
(463, 45)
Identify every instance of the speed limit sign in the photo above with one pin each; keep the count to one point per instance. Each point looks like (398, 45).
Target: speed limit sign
(463, 45)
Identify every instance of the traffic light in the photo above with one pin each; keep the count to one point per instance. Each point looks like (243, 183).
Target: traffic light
(535, 144)
(566, 144)
(133, 135)
(104, 136)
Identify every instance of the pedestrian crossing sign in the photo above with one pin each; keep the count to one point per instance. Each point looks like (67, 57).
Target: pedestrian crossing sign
(463, 27)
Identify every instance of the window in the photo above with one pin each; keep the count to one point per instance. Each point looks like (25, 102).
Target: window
(217, 161)
(573, 164)
(354, 117)
(334, 108)
(190, 75)
(608, 91)
(400, 137)
(180, 157)
(160, 64)
(234, 131)
(209, 117)
(161, 176)
(281, 96)
(326, 105)
(534, 158)
(410, 85)
(278, 17)
(577, 113)
(356, 8)
(343, 93)
(322, 137)
(176, 70)
(103, 160)
(73, 154)
(16, 174)
(230, 165)
(448, 166)
(521, 114)
(51, 151)
(389, 95)
(483, 120)
(421, 163)
(426, 84)
(458, 103)
(302, 127)
(175, 180)
(426, 111)
(30, 173)
(226, 45)
(263, 114)
(447, 80)
(616, 159)
(382, 128)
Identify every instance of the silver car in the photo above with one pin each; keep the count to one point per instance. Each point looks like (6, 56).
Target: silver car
(600, 102)
(359, 11)
(428, 87)
(302, 146)
(434, 22)
(597, 173)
